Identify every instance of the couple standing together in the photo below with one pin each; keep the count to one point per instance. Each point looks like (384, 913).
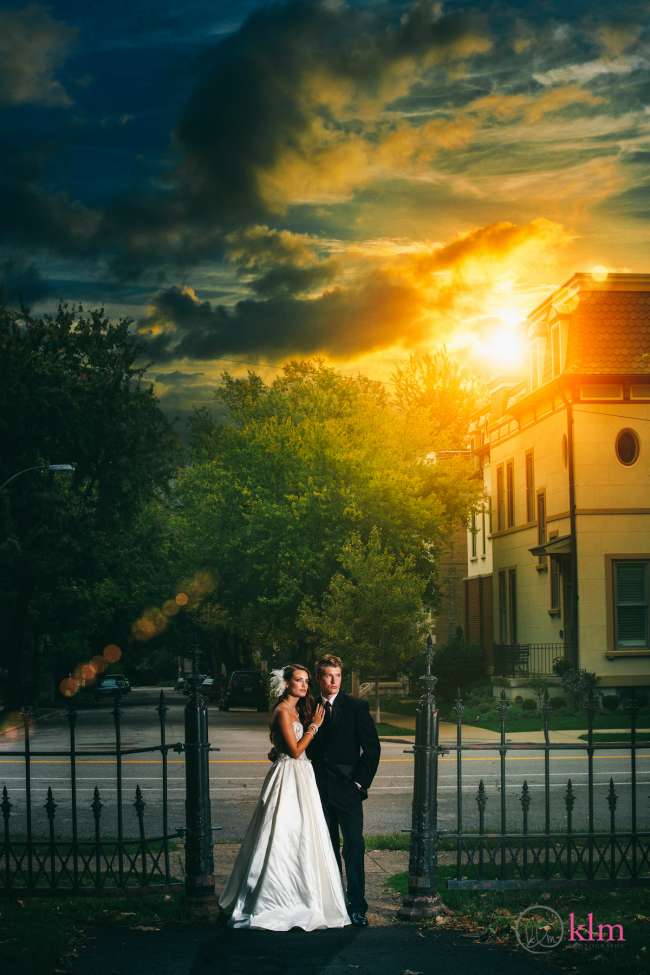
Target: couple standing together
(288, 870)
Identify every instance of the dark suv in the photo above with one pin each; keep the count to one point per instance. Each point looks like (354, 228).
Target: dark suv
(246, 689)
(111, 685)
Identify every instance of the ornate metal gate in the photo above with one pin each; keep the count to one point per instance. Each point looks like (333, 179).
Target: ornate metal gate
(86, 855)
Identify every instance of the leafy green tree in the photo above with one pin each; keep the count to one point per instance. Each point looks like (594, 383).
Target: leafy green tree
(284, 478)
(372, 612)
(73, 550)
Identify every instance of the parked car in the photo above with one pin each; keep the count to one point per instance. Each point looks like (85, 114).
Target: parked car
(110, 685)
(246, 689)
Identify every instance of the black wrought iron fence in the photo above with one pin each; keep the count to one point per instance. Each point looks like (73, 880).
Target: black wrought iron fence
(526, 659)
(550, 836)
(45, 859)
(535, 836)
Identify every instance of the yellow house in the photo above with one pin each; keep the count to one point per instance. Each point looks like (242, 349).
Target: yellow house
(567, 454)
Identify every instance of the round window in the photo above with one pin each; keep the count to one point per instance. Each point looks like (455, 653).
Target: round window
(627, 447)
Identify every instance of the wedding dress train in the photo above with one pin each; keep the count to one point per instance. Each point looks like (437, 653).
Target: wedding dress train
(285, 875)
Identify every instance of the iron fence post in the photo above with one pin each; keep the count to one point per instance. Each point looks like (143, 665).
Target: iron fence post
(199, 859)
(422, 900)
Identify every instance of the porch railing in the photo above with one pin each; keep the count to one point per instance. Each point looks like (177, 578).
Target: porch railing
(526, 659)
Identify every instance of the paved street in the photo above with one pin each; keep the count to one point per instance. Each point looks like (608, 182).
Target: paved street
(239, 767)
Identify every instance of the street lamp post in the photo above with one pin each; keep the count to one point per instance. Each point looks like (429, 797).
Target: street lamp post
(54, 468)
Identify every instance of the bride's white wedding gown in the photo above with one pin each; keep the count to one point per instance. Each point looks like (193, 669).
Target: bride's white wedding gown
(285, 875)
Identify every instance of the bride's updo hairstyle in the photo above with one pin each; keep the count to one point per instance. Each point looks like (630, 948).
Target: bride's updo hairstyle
(305, 706)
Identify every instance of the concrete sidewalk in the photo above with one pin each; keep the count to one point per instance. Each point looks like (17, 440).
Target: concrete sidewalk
(387, 947)
(471, 733)
(401, 950)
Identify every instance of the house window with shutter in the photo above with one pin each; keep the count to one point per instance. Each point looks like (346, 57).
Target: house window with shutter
(631, 589)
(530, 487)
(510, 492)
(501, 506)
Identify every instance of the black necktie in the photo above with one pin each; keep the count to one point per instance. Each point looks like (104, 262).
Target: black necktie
(328, 712)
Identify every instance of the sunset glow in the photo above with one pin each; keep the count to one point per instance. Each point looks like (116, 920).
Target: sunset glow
(469, 163)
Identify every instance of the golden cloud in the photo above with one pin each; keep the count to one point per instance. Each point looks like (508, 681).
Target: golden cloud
(532, 108)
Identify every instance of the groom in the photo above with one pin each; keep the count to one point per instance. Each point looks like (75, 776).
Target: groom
(345, 756)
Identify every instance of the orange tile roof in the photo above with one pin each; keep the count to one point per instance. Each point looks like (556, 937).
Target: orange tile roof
(609, 334)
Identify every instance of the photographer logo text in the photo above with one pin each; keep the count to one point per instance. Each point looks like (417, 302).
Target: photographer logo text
(539, 929)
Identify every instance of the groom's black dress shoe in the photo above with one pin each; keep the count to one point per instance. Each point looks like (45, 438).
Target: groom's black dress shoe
(359, 920)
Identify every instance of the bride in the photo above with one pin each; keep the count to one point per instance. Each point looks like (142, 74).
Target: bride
(285, 875)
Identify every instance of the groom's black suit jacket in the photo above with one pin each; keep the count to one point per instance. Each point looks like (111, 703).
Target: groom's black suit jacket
(345, 751)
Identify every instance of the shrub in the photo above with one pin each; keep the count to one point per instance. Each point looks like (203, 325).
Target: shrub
(457, 664)
(610, 703)
(630, 694)
(578, 682)
(557, 703)
(530, 705)
(519, 699)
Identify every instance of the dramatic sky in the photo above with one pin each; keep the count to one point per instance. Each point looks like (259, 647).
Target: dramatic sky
(255, 181)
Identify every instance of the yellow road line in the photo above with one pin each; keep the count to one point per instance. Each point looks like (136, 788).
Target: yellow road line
(264, 761)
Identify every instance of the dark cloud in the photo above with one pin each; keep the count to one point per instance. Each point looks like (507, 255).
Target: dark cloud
(292, 79)
(177, 377)
(32, 46)
(33, 216)
(21, 283)
(341, 322)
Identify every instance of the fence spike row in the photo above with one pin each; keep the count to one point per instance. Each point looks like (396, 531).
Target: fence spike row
(50, 805)
(5, 805)
(524, 798)
(96, 805)
(459, 707)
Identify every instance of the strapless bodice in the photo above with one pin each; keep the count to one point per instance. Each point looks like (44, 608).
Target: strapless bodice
(281, 745)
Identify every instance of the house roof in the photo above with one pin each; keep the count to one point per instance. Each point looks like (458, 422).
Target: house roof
(609, 333)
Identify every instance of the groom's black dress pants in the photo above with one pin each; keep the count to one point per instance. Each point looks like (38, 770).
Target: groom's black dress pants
(350, 822)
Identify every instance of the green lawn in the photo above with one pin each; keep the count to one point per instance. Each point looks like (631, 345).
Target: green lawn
(622, 737)
(480, 711)
(392, 729)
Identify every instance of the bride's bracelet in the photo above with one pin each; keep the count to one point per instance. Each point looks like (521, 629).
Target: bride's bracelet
(313, 728)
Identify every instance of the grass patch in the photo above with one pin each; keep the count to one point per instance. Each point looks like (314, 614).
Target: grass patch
(39, 936)
(490, 916)
(481, 712)
(393, 729)
(623, 736)
(399, 705)
(388, 841)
